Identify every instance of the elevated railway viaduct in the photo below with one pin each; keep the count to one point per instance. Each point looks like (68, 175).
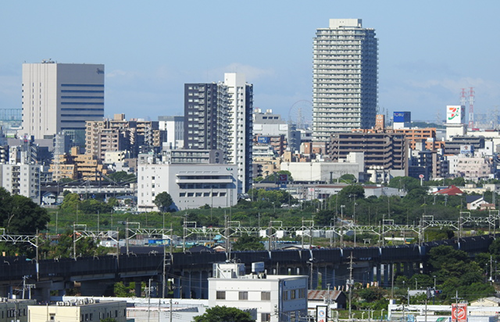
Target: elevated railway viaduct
(186, 273)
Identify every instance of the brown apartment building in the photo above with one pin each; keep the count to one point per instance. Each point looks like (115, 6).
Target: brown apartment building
(386, 150)
(428, 135)
(119, 134)
(77, 166)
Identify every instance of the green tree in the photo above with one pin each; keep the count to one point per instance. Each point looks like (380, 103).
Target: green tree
(445, 257)
(122, 177)
(405, 183)
(348, 178)
(495, 247)
(108, 320)
(163, 201)
(64, 248)
(20, 215)
(352, 191)
(92, 206)
(371, 294)
(224, 314)
(120, 290)
(324, 217)
(70, 203)
(247, 242)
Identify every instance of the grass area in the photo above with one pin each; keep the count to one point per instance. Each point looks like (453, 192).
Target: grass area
(61, 221)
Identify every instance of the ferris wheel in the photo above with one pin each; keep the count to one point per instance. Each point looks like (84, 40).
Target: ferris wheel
(300, 114)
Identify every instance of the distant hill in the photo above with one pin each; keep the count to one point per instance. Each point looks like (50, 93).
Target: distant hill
(427, 124)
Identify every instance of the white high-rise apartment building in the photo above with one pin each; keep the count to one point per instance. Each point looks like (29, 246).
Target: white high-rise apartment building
(344, 78)
(59, 97)
(218, 116)
(241, 128)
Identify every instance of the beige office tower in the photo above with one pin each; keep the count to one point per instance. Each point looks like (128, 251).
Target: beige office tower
(61, 98)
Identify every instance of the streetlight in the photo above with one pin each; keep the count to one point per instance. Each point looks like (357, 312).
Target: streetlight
(310, 262)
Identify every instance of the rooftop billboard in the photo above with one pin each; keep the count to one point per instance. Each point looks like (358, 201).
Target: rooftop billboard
(455, 114)
(402, 117)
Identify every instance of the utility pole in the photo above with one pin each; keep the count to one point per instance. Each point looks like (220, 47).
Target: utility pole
(491, 268)
(392, 280)
(74, 242)
(456, 298)
(342, 226)
(149, 299)
(170, 310)
(184, 236)
(126, 236)
(164, 275)
(351, 285)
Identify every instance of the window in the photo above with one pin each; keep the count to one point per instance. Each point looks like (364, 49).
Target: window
(243, 295)
(302, 293)
(265, 317)
(285, 295)
(265, 296)
(221, 295)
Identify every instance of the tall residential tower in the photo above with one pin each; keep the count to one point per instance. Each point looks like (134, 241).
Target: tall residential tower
(218, 116)
(345, 71)
(61, 97)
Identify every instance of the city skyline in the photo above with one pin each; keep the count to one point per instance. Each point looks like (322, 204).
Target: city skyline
(428, 51)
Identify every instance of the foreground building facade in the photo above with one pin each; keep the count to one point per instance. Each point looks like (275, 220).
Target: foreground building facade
(268, 298)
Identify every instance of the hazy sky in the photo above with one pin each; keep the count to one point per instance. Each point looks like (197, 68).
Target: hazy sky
(428, 50)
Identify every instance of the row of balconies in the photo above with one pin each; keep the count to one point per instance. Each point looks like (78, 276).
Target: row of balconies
(338, 116)
(336, 102)
(329, 60)
(327, 105)
(329, 53)
(340, 61)
(337, 81)
(337, 50)
(352, 84)
(338, 69)
(333, 39)
(337, 95)
(347, 85)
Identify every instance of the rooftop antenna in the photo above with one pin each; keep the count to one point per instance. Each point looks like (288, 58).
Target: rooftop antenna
(463, 100)
(471, 107)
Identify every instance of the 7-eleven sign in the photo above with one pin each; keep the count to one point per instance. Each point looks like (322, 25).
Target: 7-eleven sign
(459, 312)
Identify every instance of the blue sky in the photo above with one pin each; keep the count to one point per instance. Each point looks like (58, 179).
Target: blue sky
(428, 50)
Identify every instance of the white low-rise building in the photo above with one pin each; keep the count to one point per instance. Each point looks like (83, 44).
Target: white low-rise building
(21, 179)
(470, 167)
(326, 171)
(189, 185)
(81, 310)
(267, 297)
